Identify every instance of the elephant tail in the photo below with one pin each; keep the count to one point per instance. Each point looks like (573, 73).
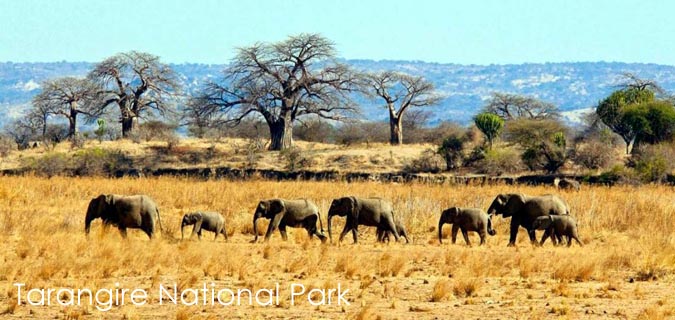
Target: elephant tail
(320, 223)
(159, 219)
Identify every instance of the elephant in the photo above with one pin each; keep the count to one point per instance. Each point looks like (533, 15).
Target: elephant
(558, 226)
(466, 219)
(204, 220)
(382, 236)
(373, 212)
(524, 209)
(135, 212)
(567, 184)
(283, 213)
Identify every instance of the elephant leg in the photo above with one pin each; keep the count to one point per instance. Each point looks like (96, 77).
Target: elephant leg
(514, 232)
(217, 231)
(199, 234)
(392, 228)
(344, 232)
(123, 231)
(533, 236)
(465, 234)
(274, 223)
(455, 228)
(282, 230)
(482, 234)
(380, 235)
(547, 233)
(355, 232)
(576, 237)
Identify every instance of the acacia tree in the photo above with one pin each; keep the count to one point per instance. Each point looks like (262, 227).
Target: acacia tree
(401, 91)
(67, 97)
(612, 109)
(281, 82)
(137, 83)
(490, 125)
(512, 106)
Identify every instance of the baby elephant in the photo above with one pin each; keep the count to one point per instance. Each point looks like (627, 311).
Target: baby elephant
(202, 220)
(557, 226)
(466, 219)
(384, 235)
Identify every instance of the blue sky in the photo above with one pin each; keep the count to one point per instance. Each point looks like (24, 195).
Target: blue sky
(465, 32)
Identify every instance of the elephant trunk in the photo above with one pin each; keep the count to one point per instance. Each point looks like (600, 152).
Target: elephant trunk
(490, 231)
(88, 219)
(182, 229)
(440, 231)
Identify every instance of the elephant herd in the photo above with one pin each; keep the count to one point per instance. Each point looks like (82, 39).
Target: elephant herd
(547, 212)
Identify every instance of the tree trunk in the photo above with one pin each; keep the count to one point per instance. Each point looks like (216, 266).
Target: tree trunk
(128, 126)
(281, 135)
(395, 130)
(72, 128)
(630, 143)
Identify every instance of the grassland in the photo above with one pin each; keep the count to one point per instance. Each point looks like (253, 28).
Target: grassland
(236, 153)
(626, 269)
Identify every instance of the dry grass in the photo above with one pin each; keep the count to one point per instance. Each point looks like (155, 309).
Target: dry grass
(234, 152)
(625, 269)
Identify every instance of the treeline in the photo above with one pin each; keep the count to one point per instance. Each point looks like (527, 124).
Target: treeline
(296, 89)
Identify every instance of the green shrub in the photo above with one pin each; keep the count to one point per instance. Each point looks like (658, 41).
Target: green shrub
(452, 150)
(49, 165)
(99, 162)
(593, 155)
(654, 162)
(500, 161)
(428, 161)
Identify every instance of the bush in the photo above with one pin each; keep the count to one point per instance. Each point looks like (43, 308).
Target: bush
(428, 161)
(49, 165)
(500, 161)
(314, 131)
(452, 150)
(156, 130)
(654, 162)
(294, 159)
(593, 155)
(362, 132)
(99, 162)
(6, 145)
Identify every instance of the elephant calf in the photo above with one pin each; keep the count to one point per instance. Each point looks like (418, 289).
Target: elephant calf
(202, 220)
(283, 213)
(382, 235)
(466, 219)
(372, 212)
(557, 226)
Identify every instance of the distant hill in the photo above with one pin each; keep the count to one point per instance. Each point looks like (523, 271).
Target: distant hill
(572, 86)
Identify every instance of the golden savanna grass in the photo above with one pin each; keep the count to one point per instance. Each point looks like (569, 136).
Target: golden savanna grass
(625, 269)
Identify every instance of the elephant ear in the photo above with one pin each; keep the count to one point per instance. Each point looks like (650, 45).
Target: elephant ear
(109, 199)
(514, 204)
(353, 206)
(276, 206)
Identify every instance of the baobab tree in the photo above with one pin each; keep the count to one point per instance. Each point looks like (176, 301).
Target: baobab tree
(67, 97)
(281, 82)
(401, 91)
(137, 83)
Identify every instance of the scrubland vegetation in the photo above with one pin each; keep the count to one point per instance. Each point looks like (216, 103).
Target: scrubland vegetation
(625, 270)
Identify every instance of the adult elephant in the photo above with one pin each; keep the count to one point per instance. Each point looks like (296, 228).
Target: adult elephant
(283, 213)
(524, 209)
(135, 212)
(372, 212)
